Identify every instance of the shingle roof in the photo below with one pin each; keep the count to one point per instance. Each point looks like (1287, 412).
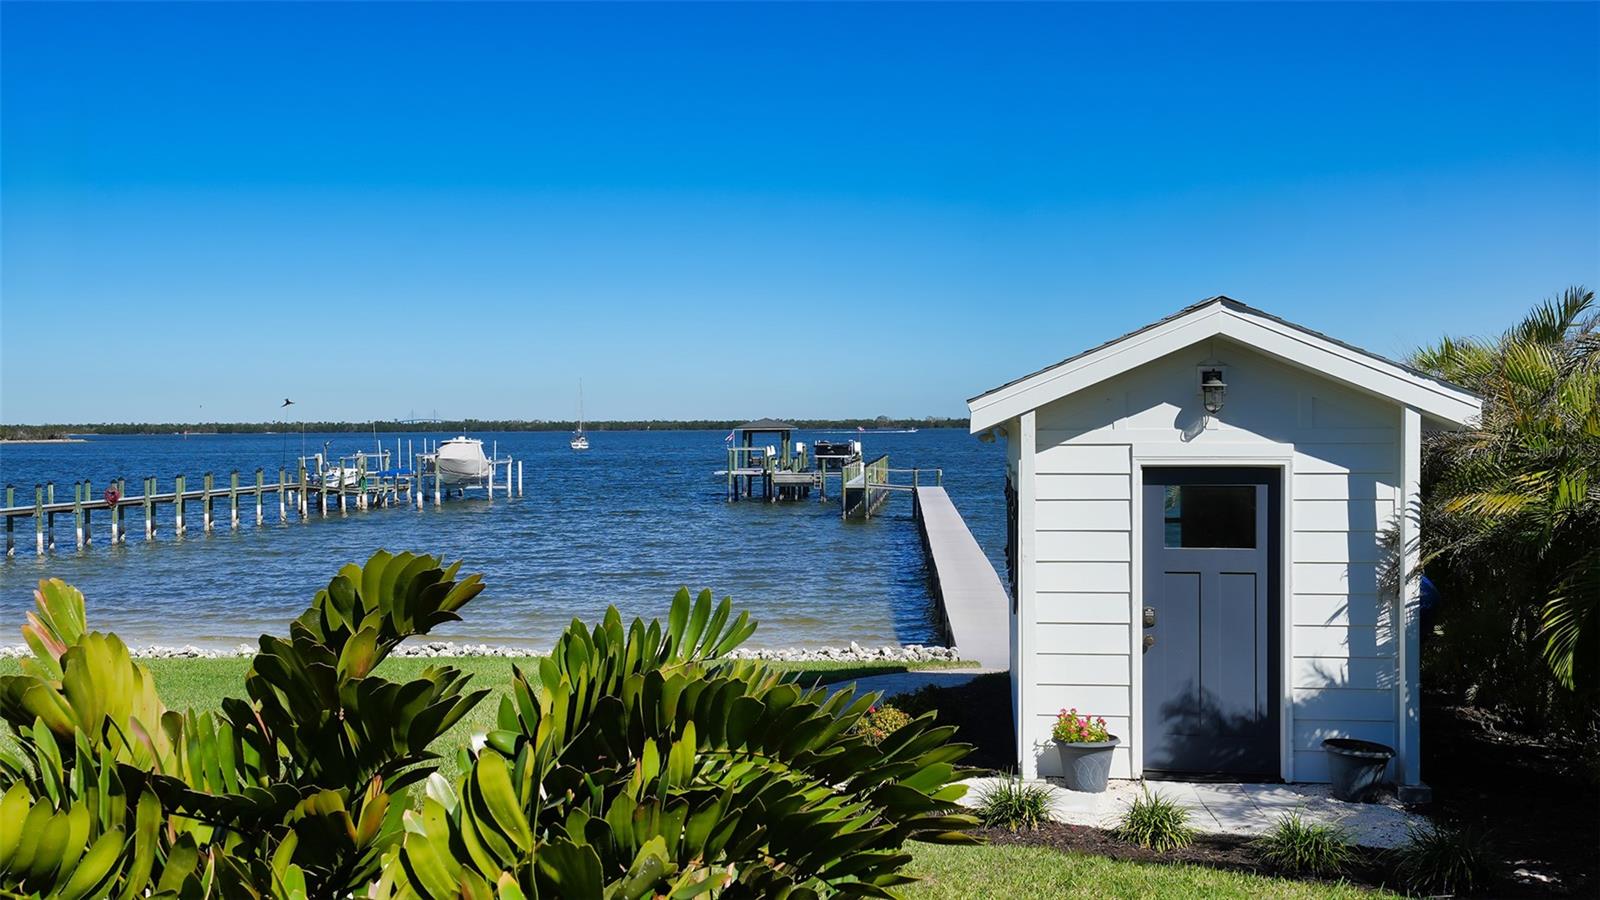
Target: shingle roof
(1230, 303)
(766, 425)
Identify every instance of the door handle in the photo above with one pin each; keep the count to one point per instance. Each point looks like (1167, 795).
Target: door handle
(1149, 641)
(1149, 617)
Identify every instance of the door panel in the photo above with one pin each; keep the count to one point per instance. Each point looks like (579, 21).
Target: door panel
(1210, 656)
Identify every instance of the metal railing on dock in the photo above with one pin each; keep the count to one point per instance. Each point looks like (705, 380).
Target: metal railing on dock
(868, 485)
(305, 490)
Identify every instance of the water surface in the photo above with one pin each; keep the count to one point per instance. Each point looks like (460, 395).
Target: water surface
(625, 523)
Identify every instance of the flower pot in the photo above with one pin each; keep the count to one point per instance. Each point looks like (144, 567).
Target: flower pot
(1355, 768)
(1085, 766)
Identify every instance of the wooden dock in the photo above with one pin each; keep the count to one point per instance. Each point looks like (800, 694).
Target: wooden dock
(972, 602)
(302, 493)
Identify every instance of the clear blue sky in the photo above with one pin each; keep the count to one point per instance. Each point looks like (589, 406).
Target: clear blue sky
(729, 211)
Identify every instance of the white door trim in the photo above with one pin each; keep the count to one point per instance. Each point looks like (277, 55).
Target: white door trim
(1253, 455)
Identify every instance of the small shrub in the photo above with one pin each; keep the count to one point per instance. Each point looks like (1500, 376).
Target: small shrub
(1015, 804)
(1072, 728)
(1155, 823)
(1304, 847)
(1445, 858)
(879, 722)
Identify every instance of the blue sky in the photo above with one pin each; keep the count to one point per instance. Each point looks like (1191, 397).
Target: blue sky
(726, 211)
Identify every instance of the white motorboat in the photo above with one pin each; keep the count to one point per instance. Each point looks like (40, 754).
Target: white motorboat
(580, 441)
(460, 461)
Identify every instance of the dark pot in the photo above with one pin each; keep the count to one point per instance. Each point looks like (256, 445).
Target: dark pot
(1086, 766)
(1356, 768)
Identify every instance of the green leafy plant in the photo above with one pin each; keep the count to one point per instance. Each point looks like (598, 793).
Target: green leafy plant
(300, 788)
(1304, 847)
(1155, 822)
(1511, 505)
(643, 762)
(1071, 728)
(1449, 858)
(1015, 804)
(878, 722)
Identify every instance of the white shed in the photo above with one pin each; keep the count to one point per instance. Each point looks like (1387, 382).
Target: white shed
(1219, 584)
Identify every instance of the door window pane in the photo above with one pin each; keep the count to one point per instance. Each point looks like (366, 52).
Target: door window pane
(1210, 515)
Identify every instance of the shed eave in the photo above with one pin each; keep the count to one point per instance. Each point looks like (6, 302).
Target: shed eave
(1221, 316)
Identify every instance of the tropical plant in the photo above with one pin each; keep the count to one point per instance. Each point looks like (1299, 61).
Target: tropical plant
(1512, 504)
(1014, 804)
(298, 789)
(1449, 858)
(1155, 822)
(878, 722)
(1300, 846)
(644, 762)
(1071, 728)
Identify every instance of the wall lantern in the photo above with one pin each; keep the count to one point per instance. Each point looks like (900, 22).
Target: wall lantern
(1212, 389)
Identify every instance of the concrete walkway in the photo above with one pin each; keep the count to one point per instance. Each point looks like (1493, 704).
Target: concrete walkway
(906, 682)
(1234, 809)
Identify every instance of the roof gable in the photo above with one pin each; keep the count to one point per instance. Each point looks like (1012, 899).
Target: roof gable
(1226, 317)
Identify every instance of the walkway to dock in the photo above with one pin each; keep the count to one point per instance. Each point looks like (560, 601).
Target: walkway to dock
(975, 606)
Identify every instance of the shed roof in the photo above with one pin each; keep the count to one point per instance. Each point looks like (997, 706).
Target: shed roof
(1248, 325)
(766, 425)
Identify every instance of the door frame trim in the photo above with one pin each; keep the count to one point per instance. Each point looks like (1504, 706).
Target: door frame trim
(1254, 455)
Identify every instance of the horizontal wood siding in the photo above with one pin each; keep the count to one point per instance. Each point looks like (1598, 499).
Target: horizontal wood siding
(1343, 489)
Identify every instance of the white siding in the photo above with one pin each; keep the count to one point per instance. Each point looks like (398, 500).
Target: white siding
(1341, 655)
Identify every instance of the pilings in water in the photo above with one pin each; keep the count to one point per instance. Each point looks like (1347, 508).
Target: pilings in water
(303, 491)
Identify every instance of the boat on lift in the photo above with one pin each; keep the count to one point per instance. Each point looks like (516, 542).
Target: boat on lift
(580, 441)
(460, 461)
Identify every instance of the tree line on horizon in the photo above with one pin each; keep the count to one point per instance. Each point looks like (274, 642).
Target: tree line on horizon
(50, 431)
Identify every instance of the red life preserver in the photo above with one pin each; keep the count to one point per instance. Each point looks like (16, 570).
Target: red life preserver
(112, 496)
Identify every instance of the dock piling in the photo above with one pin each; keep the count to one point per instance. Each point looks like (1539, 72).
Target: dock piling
(177, 508)
(205, 502)
(233, 498)
(149, 508)
(38, 516)
(77, 512)
(11, 538)
(283, 494)
(88, 526)
(519, 478)
(261, 484)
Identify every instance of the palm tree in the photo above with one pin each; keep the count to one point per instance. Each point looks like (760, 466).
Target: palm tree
(1513, 504)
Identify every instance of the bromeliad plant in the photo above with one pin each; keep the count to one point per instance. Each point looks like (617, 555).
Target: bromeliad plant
(644, 763)
(297, 791)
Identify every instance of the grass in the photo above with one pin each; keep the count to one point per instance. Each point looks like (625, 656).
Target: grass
(1023, 873)
(1014, 803)
(1297, 844)
(1155, 823)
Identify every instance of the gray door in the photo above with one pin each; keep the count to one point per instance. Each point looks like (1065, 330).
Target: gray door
(1210, 619)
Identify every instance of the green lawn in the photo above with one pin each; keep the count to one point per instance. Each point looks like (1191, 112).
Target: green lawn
(1019, 873)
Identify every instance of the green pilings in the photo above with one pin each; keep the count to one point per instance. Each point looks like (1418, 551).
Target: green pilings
(11, 537)
(233, 498)
(88, 497)
(149, 508)
(261, 484)
(38, 516)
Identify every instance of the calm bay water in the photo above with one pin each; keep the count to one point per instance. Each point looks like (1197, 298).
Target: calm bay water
(626, 523)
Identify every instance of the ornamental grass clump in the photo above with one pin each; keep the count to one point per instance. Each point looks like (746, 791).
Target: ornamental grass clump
(1072, 728)
(1155, 823)
(1445, 858)
(1015, 804)
(1299, 846)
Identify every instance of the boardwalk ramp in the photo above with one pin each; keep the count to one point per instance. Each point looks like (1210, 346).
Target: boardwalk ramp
(973, 602)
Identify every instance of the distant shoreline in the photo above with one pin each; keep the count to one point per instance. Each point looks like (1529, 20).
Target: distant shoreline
(67, 440)
(18, 434)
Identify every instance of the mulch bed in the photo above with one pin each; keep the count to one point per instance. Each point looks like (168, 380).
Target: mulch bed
(1215, 851)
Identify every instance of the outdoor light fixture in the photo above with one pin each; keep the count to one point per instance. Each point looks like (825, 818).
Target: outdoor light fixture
(1212, 387)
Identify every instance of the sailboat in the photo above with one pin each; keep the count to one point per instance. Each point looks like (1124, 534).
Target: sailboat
(580, 441)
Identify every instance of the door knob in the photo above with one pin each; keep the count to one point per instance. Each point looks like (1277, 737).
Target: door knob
(1149, 617)
(1149, 641)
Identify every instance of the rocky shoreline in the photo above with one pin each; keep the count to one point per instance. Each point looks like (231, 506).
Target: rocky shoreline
(448, 649)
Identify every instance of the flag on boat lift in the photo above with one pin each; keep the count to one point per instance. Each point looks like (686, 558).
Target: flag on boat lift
(728, 439)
